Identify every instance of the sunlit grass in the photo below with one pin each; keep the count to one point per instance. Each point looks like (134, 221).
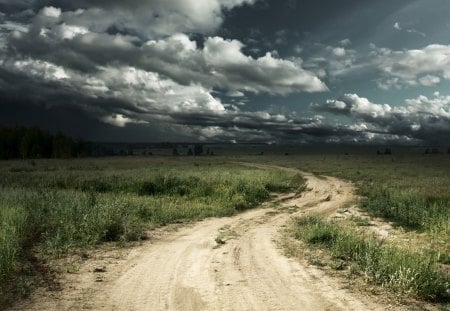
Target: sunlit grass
(406, 272)
(55, 206)
(410, 191)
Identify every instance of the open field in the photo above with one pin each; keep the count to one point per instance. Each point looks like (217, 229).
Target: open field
(231, 263)
(49, 208)
(408, 194)
(411, 190)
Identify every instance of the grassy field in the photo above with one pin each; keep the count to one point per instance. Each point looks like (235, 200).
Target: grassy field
(52, 206)
(412, 192)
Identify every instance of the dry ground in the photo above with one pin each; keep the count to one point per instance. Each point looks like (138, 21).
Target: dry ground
(229, 263)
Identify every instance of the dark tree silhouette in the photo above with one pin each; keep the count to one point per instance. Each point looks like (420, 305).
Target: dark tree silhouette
(198, 149)
(33, 143)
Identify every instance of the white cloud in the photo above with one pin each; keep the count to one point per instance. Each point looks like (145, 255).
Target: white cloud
(357, 105)
(397, 26)
(51, 11)
(220, 64)
(220, 52)
(418, 119)
(429, 80)
(70, 32)
(339, 52)
(439, 106)
(410, 65)
(118, 120)
(42, 69)
(154, 18)
(345, 42)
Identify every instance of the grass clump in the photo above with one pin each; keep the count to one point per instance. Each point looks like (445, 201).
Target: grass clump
(403, 271)
(13, 221)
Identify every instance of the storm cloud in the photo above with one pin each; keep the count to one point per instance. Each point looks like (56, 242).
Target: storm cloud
(176, 70)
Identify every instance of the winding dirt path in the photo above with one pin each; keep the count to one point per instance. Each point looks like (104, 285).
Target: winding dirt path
(244, 270)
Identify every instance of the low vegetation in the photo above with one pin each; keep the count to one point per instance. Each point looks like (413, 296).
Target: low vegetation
(411, 191)
(51, 206)
(406, 272)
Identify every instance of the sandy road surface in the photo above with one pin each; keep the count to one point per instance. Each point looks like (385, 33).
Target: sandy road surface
(189, 270)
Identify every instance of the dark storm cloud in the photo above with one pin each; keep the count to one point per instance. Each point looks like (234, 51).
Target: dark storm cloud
(57, 100)
(180, 70)
(79, 57)
(18, 88)
(16, 6)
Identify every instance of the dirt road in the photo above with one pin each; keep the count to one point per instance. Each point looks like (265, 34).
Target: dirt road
(220, 264)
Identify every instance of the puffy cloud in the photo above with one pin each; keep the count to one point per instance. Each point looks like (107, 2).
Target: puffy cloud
(396, 69)
(50, 11)
(345, 42)
(411, 63)
(421, 119)
(127, 97)
(41, 69)
(132, 63)
(235, 71)
(218, 64)
(423, 67)
(339, 52)
(148, 18)
(429, 80)
(353, 104)
(119, 120)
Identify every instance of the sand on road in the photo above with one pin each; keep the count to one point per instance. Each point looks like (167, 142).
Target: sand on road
(231, 263)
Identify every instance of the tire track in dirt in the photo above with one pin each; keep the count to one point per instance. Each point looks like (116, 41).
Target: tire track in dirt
(189, 270)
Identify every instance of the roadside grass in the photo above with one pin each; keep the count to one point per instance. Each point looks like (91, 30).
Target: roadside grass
(59, 206)
(405, 272)
(412, 192)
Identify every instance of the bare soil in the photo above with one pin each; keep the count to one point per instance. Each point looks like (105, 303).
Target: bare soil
(231, 263)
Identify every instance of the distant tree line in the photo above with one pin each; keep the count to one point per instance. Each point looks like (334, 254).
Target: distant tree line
(196, 151)
(21, 142)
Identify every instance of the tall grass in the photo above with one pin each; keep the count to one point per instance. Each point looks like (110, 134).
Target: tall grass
(403, 271)
(410, 190)
(407, 207)
(13, 221)
(55, 209)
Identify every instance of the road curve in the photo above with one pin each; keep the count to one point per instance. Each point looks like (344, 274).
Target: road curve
(189, 270)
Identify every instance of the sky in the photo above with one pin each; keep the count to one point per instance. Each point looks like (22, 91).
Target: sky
(266, 71)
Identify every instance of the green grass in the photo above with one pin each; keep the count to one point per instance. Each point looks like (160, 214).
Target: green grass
(406, 272)
(55, 206)
(410, 190)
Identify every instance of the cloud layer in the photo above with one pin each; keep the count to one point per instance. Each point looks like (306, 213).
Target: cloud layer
(418, 120)
(167, 67)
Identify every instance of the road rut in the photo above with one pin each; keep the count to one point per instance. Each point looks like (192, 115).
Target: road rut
(229, 263)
